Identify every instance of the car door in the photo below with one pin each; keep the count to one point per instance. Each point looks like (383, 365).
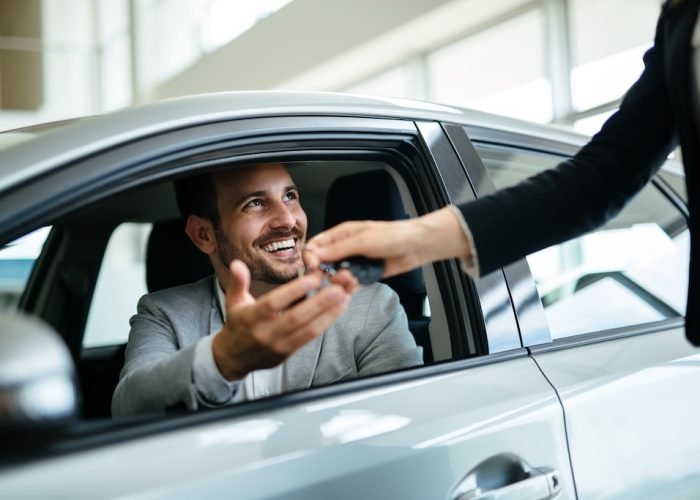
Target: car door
(483, 417)
(613, 342)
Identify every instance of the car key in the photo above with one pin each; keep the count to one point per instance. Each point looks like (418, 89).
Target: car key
(366, 270)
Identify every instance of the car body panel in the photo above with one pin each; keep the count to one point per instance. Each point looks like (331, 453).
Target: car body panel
(631, 414)
(408, 440)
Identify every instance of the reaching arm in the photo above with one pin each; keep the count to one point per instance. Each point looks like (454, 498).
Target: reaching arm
(404, 244)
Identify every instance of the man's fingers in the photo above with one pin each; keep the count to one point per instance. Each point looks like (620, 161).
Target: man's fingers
(311, 307)
(286, 323)
(237, 291)
(277, 329)
(311, 318)
(345, 279)
(283, 296)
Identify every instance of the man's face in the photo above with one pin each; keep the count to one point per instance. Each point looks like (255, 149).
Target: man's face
(261, 221)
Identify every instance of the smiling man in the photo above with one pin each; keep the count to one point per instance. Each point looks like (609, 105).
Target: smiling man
(244, 333)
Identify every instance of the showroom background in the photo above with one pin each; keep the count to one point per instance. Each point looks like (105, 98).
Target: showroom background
(567, 61)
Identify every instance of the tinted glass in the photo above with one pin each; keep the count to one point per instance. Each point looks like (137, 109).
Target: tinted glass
(633, 270)
(16, 263)
(119, 286)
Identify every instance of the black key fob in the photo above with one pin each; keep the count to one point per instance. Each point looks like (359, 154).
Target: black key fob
(367, 271)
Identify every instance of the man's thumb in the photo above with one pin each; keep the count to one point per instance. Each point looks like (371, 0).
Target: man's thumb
(239, 284)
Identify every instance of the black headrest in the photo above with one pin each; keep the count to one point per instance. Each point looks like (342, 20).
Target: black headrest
(171, 258)
(371, 196)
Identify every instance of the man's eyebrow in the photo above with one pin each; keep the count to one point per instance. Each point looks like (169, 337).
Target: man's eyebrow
(252, 194)
(255, 194)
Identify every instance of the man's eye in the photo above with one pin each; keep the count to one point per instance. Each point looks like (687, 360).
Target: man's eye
(291, 195)
(254, 203)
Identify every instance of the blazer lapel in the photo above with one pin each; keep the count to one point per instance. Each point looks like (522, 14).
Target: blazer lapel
(298, 371)
(216, 318)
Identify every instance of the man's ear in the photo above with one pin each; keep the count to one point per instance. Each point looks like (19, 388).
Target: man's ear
(201, 232)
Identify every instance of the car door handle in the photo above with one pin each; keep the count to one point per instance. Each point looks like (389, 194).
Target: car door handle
(507, 476)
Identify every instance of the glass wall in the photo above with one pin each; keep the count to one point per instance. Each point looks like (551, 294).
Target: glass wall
(173, 34)
(92, 56)
(606, 60)
(85, 51)
(567, 61)
(405, 80)
(508, 66)
(500, 69)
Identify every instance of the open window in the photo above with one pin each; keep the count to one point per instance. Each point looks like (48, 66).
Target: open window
(151, 251)
(88, 287)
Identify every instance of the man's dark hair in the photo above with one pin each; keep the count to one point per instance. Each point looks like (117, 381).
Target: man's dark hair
(196, 195)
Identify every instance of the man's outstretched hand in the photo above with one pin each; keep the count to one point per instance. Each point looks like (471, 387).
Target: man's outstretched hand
(263, 332)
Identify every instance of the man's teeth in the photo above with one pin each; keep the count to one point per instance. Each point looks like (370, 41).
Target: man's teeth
(277, 246)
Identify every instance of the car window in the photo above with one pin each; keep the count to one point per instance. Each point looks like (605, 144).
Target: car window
(16, 263)
(126, 265)
(633, 270)
(120, 284)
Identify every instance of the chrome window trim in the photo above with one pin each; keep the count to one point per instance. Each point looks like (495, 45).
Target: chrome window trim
(607, 335)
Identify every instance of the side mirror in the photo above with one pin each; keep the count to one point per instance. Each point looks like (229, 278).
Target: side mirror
(37, 376)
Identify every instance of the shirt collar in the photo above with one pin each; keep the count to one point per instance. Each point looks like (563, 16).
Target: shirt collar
(220, 298)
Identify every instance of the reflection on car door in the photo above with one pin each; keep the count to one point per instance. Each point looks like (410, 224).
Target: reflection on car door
(627, 381)
(632, 411)
(412, 438)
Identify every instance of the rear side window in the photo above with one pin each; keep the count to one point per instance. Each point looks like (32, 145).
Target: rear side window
(119, 286)
(17, 260)
(631, 271)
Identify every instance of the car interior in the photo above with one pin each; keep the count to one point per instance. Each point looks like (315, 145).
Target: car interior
(73, 262)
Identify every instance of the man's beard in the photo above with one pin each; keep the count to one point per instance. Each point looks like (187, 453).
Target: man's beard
(260, 269)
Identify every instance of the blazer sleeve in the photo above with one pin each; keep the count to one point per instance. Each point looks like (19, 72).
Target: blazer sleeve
(386, 344)
(582, 193)
(157, 375)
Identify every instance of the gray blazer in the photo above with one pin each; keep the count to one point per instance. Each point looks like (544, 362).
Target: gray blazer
(371, 337)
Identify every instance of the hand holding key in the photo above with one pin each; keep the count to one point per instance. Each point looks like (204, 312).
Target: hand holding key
(365, 270)
(402, 245)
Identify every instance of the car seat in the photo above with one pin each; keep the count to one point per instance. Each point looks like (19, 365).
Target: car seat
(171, 258)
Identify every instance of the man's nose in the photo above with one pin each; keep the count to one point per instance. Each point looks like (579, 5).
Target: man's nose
(283, 217)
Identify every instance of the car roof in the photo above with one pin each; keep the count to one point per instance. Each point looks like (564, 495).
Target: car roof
(42, 148)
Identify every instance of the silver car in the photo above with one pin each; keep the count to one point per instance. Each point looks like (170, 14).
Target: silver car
(564, 375)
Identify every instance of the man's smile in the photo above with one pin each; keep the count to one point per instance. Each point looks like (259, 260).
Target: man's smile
(282, 248)
(279, 246)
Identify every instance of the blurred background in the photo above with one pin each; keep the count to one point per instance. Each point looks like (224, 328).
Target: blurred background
(563, 61)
